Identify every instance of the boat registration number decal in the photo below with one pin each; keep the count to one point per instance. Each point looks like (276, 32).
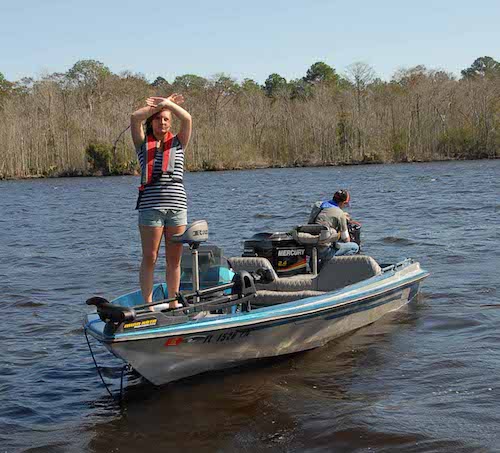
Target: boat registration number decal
(213, 338)
(139, 324)
(228, 336)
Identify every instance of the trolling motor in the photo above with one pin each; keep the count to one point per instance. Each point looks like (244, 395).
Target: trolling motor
(110, 313)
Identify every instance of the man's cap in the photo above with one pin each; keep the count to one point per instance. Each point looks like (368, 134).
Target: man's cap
(342, 196)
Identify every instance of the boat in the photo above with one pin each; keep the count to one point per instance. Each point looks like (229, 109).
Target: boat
(243, 310)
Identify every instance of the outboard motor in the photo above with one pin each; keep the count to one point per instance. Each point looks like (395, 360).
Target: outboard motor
(287, 253)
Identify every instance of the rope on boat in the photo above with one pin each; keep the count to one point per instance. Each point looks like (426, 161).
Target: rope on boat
(121, 382)
(119, 399)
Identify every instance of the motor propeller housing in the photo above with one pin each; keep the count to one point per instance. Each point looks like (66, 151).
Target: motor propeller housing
(110, 313)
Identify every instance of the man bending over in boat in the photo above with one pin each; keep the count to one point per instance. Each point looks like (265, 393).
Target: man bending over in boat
(162, 201)
(330, 213)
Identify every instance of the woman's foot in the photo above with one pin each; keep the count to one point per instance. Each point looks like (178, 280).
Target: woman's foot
(174, 305)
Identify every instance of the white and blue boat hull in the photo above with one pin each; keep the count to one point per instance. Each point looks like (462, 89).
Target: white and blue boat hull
(168, 353)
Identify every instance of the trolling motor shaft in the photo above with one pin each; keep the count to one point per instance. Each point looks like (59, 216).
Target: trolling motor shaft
(196, 270)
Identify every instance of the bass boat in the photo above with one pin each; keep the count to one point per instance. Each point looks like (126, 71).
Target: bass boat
(248, 308)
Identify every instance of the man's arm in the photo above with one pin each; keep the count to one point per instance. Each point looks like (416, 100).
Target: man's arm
(344, 232)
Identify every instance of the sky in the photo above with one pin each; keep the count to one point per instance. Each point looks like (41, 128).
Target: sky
(245, 39)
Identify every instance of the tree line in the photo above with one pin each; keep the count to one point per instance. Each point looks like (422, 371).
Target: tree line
(74, 123)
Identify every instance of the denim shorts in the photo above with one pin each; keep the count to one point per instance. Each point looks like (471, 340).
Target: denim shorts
(163, 217)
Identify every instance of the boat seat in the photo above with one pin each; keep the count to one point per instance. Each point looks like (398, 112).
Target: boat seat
(337, 273)
(342, 271)
(193, 235)
(295, 283)
(313, 235)
(251, 264)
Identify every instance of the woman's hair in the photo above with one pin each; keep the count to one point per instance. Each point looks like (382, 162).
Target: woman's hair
(148, 125)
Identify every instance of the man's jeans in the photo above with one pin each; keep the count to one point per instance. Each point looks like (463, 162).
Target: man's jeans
(346, 248)
(339, 249)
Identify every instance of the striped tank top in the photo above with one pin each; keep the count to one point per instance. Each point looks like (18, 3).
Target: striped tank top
(166, 192)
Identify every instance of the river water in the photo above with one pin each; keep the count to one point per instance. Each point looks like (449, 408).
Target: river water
(423, 379)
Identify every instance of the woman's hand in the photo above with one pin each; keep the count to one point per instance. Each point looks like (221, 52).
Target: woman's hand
(160, 102)
(176, 98)
(156, 101)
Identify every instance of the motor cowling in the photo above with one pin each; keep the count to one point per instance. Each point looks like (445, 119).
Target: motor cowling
(286, 255)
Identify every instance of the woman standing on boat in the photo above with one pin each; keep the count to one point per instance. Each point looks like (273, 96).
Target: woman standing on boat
(162, 201)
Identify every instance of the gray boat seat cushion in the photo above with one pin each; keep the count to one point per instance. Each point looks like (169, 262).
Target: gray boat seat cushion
(265, 297)
(337, 273)
(251, 264)
(346, 270)
(299, 282)
(313, 235)
(302, 282)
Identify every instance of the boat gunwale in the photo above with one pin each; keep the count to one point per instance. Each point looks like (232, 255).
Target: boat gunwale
(263, 315)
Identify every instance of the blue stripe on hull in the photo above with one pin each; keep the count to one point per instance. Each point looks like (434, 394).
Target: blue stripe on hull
(340, 308)
(332, 313)
(362, 305)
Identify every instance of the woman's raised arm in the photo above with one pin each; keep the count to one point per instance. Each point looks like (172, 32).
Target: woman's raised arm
(136, 121)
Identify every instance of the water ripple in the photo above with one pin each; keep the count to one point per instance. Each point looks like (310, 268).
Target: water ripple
(421, 380)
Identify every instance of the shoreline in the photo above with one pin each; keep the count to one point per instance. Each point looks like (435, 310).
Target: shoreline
(87, 174)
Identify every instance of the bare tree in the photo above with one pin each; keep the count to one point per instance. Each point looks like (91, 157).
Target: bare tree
(360, 75)
(420, 115)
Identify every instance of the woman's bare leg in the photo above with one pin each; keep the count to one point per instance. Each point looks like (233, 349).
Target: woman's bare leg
(173, 256)
(150, 240)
